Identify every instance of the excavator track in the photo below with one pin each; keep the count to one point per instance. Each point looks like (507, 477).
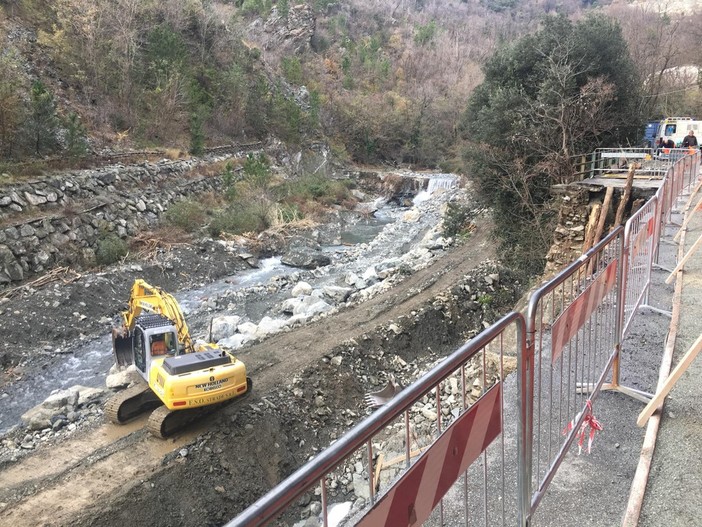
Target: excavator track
(128, 404)
(164, 423)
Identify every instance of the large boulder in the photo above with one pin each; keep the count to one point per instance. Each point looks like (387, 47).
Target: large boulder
(310, 306)
(301, 289)
(305, 258)
(235, 341)
(269, 325)
(224, 326)
(336, 293)
(247, 328)
(58, 405)
(122, 378)
(10, 268)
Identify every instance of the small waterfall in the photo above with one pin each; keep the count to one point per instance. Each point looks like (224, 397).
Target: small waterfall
(435, 182)
(445, 181)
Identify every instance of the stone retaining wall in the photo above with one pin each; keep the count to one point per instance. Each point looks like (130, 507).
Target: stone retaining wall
(69, 213)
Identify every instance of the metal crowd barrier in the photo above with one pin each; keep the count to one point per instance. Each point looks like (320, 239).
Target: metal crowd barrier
(446, 428)
(640, 244)
(573, 337)
(679, 178)
(577, 322)
(454, 434)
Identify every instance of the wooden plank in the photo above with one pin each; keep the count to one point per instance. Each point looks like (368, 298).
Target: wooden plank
(652, 184)
(624, 155)
(603, 215)
(657, 400)
(638, 486)
(688, 216)
(682, 262)
(591, 227)
(624, 175)
(403, 457)
(619, 218)
(378, 468)
(692, 195)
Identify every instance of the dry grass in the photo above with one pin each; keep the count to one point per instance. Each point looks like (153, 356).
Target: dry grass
(175, 154)
(214, 169)
(147, 245)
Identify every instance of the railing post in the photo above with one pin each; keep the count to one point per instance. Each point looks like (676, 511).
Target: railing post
(622, 276)
(525, 436)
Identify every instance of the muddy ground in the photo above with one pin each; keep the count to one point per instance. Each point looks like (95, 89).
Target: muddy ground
(309, 385)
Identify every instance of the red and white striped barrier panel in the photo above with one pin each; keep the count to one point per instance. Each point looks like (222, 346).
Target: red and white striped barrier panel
(413, 498)
(576, 314)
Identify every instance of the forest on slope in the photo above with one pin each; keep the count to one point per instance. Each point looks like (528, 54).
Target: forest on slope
(380, 81)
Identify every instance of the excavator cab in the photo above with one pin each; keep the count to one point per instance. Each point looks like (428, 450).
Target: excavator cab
(153, 336)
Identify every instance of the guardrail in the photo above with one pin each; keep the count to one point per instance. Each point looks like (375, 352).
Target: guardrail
(503, 459)
(606, 161)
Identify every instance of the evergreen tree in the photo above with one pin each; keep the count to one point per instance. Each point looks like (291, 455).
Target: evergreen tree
(43, 124)
(549, 96)
(76, 143)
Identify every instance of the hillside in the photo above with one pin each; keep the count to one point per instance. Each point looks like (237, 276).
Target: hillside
(378, 81)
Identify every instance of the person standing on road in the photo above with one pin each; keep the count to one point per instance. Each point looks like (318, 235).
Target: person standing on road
(690, 140)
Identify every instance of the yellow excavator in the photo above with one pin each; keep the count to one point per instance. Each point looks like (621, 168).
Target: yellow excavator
(181, 381)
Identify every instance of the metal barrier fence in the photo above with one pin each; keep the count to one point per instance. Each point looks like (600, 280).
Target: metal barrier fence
(581, 332)
(455, 434)
(640, 243)
(605, 161)
(452, 418)
(679, 178)
(573, 336)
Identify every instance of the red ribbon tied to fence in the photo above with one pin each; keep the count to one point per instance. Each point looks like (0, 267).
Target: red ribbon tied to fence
(590, 422)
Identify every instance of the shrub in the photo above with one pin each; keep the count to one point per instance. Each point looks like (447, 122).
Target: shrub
(292, 70)
(457, 220)
(485, 300)
(425, 33)
(256, 7)
(110, 249)
(187, 215)
(241, 217)
(315, 188)
(287, 213)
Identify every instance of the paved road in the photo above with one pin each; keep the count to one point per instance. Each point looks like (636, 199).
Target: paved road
(673, 495)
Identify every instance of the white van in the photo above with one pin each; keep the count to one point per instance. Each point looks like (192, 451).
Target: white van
(676, 128)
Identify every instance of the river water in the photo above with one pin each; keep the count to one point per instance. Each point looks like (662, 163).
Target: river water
(370, 240)
(91, 359)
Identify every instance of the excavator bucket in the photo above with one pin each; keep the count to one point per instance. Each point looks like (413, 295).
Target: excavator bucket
(382, 397)
(122, 347)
